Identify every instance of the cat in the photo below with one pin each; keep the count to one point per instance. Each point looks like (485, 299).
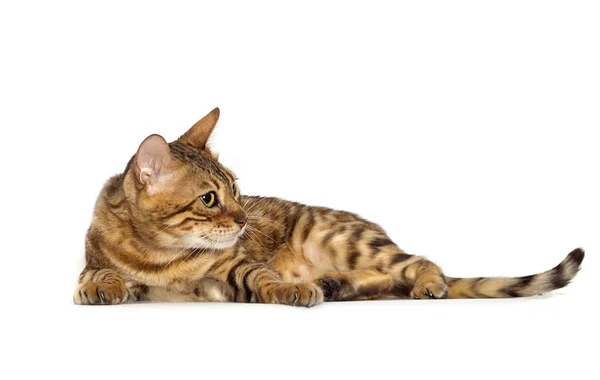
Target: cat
(174, 227)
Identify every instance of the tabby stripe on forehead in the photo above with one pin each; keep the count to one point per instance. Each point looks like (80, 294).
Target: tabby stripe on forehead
(197, 158)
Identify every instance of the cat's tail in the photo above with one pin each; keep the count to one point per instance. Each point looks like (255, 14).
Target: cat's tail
(508, 287)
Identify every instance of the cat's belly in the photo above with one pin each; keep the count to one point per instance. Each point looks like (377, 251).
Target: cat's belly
(302, 264)
(203, 290)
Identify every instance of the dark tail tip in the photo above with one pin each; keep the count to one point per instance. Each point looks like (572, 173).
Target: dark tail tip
(564, 272)
(577, 255)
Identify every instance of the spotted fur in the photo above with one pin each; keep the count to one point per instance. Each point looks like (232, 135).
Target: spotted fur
(153, 238)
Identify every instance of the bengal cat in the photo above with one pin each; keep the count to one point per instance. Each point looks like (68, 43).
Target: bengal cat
(174, 227)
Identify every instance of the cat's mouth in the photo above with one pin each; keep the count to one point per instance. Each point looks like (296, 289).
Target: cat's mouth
(224, 241)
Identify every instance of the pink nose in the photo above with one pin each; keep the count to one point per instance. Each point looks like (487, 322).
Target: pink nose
(241, 220)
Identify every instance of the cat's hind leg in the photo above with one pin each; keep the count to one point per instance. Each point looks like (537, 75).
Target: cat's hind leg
(336, 241)
(363, 284)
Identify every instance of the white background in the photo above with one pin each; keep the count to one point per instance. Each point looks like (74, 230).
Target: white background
(467, 129)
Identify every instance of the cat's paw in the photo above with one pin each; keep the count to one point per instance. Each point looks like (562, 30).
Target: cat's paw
(92, 293)
(330, 287)
(210, 290)
(306, 295)
(432, 289)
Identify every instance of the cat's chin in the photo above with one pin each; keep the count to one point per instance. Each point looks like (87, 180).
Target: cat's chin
(224, 244)
(221, 242)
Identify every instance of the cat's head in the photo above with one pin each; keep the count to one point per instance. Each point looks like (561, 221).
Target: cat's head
(183, 197)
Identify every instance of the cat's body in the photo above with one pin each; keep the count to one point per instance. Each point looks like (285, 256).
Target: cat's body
(174, 227)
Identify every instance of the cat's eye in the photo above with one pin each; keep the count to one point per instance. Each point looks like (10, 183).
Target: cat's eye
(234, 187)
(208, 199)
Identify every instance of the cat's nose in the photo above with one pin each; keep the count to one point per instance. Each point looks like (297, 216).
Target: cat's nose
(241, 220)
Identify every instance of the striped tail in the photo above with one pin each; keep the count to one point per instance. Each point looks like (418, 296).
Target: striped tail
(508, 287)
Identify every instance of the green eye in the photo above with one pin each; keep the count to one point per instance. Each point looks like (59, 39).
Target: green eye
(208, 199)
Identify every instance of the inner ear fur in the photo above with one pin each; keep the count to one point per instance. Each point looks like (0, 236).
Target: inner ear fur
(153, 160)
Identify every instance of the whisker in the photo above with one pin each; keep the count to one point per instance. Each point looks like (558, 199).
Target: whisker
(246, 202)
(163, 230)
(177, 255)
(194, 252)
(254, 240)
(262, 233)
(265, 219)
(252, 207)
(185, 248)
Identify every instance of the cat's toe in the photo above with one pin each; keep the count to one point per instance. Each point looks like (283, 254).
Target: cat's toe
(99, 294)
(306, 295)
(431, 290)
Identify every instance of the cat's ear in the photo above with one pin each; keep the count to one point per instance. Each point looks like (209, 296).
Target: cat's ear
(198, 135)
(153, 162)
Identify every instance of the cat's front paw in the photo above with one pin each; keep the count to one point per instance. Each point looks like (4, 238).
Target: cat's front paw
(306, 295)
(92, 293)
